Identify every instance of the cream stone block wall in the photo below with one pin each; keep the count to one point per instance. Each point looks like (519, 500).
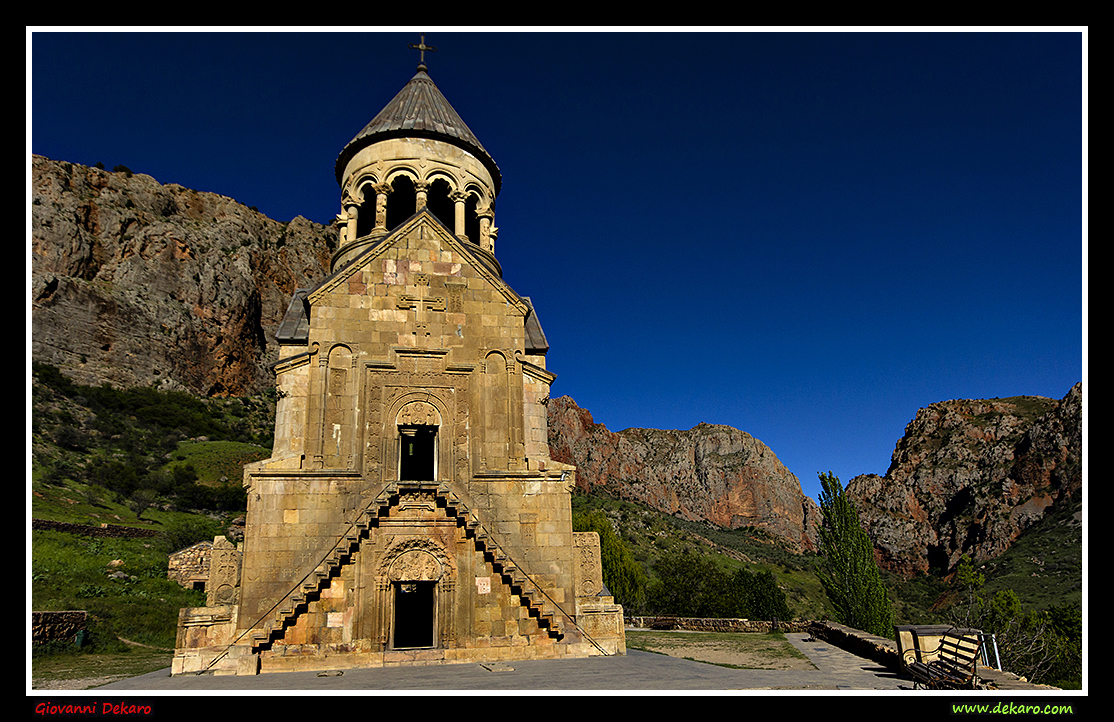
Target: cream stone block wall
(292, 385)
(535, 394)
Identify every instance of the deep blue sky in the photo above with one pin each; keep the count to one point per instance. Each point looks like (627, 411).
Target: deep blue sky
(807, 236)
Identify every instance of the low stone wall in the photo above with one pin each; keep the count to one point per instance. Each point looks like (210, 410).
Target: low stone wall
(112, 530)
(52, 626)
(877, 649)
(700, 624)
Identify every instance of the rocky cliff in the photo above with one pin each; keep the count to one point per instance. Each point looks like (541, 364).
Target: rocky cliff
(135, 283)
(968, 477)
(710, 472)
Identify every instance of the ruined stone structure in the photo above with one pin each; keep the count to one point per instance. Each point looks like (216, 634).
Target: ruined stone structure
(410, 512)
(190, 566)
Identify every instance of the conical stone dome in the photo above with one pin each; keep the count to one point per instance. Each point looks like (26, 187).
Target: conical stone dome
(419, 110)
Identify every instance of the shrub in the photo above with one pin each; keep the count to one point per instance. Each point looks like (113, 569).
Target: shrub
(181, 534)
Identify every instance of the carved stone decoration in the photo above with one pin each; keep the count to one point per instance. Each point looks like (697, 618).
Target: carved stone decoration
(223, 586)
(413, 559)
(418, 413)
(438, 396)
(372, 453)
(417, 504)
(415, 565)
(589, 569)
(455, 301)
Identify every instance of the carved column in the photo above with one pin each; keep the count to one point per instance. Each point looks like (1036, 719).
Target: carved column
(421, 194)
(515, 438)
(487, 230)
(352, 212)
(319, 386)
(381, 192)
(346, 219)
(383, 607)
(446, 611)
(459, 198)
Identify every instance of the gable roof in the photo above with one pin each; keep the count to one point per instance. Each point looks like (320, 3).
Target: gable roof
(419, 110)
(294, 327)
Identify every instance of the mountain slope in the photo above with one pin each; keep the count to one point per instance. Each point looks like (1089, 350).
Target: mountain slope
(970, 476)
(138, 284)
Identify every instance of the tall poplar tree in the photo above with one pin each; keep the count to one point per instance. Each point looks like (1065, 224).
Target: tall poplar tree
(849, 573)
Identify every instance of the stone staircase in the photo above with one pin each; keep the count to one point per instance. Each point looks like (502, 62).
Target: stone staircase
(285, 614)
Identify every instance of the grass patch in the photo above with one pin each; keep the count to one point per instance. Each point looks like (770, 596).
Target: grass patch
(217, 460)
(737, 651)
(121, 583)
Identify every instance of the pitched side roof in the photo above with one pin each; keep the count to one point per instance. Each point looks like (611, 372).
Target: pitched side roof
(419, 110)
(294, 327)
(535, 337)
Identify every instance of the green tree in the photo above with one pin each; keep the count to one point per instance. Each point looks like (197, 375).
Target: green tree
(848, 571)
(687, 585)
(766, 600)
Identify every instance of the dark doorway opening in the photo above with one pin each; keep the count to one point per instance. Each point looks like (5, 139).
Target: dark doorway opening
(418, 453)
(414, 614)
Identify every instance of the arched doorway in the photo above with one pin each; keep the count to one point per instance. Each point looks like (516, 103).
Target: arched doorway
(414, 578)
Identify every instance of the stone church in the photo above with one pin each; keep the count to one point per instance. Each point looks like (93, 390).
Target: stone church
(410, 513)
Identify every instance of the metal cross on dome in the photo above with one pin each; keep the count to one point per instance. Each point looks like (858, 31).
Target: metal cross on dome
(421, 46)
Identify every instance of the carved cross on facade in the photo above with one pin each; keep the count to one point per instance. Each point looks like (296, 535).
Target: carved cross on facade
(421, 304)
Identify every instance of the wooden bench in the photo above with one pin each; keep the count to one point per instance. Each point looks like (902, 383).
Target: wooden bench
(954, 665)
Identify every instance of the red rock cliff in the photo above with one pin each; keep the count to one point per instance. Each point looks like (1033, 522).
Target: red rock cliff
(710, 472)
(969, 476)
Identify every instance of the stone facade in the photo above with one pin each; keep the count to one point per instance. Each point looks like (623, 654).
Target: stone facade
(410, 513)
